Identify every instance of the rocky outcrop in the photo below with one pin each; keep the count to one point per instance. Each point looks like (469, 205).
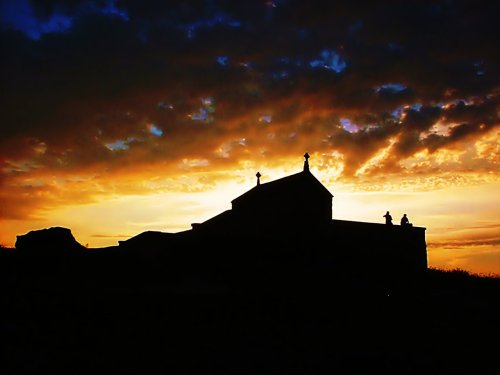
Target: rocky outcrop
(50, 241)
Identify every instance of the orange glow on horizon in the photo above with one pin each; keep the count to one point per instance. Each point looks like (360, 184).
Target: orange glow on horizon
(461, 220)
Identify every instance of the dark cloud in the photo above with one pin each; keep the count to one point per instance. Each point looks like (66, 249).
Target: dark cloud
(484, 111)
(422, 119)
(453, 244)
(120, 66)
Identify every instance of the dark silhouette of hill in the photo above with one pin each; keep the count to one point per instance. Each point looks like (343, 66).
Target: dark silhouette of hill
(123, 313)
(273, 285)
(48, 242)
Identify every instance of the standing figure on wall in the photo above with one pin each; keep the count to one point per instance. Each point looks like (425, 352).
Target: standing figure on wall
(388, 218)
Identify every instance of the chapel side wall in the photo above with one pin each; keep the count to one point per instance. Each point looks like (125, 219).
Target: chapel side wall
(378, 246)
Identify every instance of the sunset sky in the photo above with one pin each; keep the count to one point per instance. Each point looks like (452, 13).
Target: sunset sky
(118, 117)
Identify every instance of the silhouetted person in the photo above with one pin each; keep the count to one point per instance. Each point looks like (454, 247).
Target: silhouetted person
(405, 221)
(388, 218)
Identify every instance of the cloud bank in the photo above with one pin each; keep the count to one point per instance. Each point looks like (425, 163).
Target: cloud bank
(100, 96)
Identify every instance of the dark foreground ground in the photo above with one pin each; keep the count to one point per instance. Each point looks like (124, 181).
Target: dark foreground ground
(109, 316)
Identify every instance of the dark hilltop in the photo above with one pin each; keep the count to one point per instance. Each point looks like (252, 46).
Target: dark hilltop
(272, 285)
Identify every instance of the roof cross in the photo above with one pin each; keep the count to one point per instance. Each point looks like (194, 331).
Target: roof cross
(306, 162)
(258, 178)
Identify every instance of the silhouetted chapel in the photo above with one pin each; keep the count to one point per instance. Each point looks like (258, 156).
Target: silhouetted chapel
(299, 208)
(299, 196)
(298, 201)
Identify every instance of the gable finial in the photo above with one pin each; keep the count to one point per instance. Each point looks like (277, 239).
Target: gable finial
(306, 162)
(258, 178)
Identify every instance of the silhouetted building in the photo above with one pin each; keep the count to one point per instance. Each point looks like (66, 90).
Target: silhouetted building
(289, 221)
(298, 201)
(297, 209)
